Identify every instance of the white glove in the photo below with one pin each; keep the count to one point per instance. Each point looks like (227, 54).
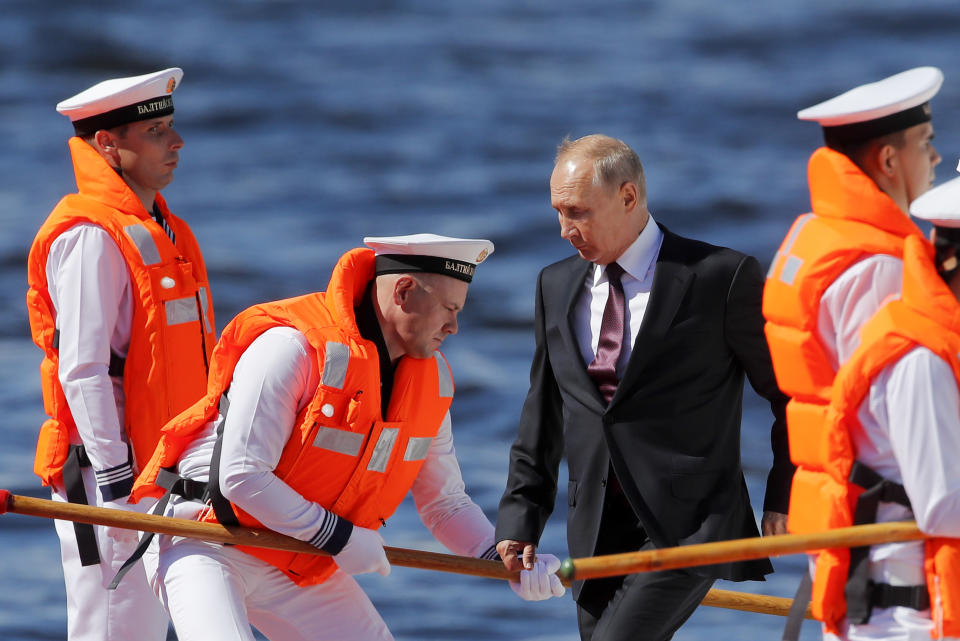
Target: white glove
(363, 553)
(541, 582)
(121, 535)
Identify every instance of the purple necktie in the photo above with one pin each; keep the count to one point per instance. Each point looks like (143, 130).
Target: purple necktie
(603, 369)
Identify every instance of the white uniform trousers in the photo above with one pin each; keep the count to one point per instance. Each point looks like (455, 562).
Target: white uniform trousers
(890, 624)
(215, 592)
(94, 613)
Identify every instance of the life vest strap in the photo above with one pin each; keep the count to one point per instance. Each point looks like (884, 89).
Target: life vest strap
(73, 485)
(861, 593)
(191, 490)
(888, 491)
(883, 595)
(174, 484)
(221, 506)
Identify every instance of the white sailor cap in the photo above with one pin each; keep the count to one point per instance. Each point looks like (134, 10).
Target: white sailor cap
(940, 206)
(456, 257)
(121, 100)
(878, 108)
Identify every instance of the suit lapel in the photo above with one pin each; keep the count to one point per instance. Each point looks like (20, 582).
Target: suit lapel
(583, 387)
(670, 282)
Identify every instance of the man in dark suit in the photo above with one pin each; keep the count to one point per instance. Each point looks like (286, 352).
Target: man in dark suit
(642, 343)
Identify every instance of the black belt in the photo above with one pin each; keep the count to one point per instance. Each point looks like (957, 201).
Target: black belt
(73, 484)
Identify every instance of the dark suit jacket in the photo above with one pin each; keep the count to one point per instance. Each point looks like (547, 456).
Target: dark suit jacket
(672, 429)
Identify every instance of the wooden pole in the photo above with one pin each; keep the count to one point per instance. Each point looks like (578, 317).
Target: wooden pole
(747, 602)
(236, 535)
(272, 540)
(737, 550)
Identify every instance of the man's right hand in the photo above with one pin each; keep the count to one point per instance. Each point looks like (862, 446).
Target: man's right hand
(517, 555)
(773, 523)
(363, 553)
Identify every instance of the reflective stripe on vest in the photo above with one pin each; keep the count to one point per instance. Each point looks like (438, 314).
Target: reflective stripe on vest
(788, 243)
(340, 441)
(141, 237)
(417, 448)
(203, 305)
(181, 310)
(446, 381)
(383, 449)
(790, 268)
(335, 362)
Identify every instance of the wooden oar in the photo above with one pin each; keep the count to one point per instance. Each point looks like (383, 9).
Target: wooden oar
(272, 540)
(737, 550)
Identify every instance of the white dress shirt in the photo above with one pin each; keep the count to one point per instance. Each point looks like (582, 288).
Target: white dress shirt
(275, 378)
(638, 261)
(90, 289)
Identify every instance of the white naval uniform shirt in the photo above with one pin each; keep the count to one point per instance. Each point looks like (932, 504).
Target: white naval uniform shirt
(90, 289)
(852, 299)
(275, 378)
(910, 434)
(638, 261)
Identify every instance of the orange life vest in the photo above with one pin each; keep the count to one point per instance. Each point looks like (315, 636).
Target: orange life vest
(341, 454)
(173, 331)
(927, 315)
(851, 220)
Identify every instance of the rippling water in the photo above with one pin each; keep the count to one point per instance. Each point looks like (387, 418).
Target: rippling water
(309, 125)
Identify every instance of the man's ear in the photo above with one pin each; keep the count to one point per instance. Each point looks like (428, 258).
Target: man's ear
(887, 160)
(403, 288)
(628, 195)
(106, 143)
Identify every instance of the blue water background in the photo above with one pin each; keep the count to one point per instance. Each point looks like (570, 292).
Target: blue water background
(311, 124)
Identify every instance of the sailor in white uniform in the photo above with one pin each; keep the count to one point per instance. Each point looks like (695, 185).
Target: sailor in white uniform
(857, 293)
(910, 435)
(90, 290)
(215, 593)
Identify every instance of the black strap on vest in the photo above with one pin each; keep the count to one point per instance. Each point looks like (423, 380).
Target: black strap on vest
(117, 363)
(73, 484)
(191, 490)
(911, 596)
(861, 593)
(221, 506)
(173, 483)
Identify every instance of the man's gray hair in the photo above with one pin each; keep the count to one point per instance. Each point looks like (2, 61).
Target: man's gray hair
(614, 162)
